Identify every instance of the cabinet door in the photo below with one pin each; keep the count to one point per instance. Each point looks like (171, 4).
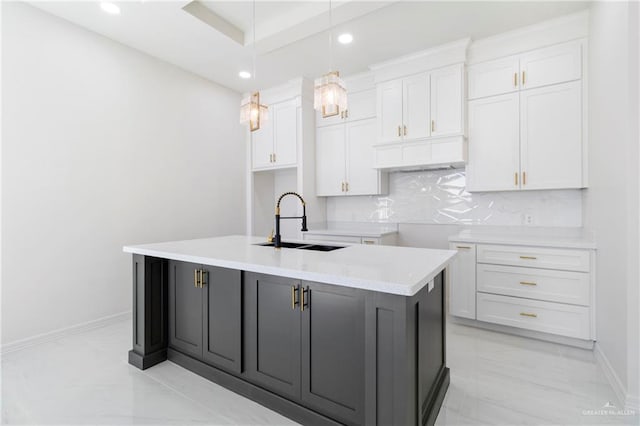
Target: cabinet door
(222, 322)
(330, 160)
(551, 137)
(185, 309)
(272, 333)
(285, 137)
(556, 64)
(361, 105)
(446, 101)
(333, 351)
(416, 107)
(262, 145)
(462, 281)
(494, 77)
(390, 111)
(362, 178)
(494, 147)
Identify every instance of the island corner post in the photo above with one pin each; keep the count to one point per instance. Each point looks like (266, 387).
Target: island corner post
(405, 377)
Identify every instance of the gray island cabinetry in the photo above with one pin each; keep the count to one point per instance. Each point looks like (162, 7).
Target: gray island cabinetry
(355, 336)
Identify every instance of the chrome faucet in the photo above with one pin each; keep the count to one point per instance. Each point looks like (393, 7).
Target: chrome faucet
(277, 239)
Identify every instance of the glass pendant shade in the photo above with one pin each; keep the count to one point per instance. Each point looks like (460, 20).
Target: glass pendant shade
(253, 112)
(330, 94)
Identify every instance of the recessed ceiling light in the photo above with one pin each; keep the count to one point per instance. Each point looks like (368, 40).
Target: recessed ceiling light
(110, 8)
(244, 74)
(345, 38)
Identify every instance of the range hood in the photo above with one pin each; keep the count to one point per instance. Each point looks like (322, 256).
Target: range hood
(426, 154)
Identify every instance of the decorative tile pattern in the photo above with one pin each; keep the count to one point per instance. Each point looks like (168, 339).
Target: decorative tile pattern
(440, 197)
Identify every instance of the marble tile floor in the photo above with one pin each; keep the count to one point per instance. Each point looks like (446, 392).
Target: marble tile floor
(495, 379)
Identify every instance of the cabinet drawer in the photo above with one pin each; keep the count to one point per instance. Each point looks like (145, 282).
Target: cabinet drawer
(541, 284)
(536, 257)
(546, 317)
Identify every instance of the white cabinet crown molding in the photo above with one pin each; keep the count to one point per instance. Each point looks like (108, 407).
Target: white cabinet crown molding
(426, 60)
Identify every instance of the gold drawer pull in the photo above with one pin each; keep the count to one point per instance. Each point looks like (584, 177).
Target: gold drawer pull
(368, 241)
(528, 257)
(527, 283)
(294, 299)
(399, 131)
(464, 247)
(515, 79)
(527, 314)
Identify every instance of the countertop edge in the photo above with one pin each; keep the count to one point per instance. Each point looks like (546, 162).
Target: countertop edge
(379, 286)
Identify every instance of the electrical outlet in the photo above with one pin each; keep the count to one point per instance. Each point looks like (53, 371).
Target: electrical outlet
(528, 219)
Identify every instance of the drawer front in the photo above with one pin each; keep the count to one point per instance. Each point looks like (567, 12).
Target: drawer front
(332, 238)
(541, 284)
(546, 317)
(535, 257)
(371, 241)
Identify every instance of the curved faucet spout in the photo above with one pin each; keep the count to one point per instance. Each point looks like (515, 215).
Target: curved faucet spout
(277, 239)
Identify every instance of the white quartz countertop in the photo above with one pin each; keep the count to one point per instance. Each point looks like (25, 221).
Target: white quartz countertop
(539, 237)
(389, 269)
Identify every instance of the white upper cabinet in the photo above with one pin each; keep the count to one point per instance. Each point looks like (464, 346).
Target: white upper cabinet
(551, 137)
(390, 110)
(361, 177)
(494, 77)
(422, 105)
(552, 65)
(446, 101)
(274, 145)
(362, 104)
(330, 160)
(541, 67)
(415, 107)
(344, 157)
(532, 137)
(494, 149)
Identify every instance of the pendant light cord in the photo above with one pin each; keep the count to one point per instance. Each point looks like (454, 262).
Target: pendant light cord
(254, 45)
(330, 37)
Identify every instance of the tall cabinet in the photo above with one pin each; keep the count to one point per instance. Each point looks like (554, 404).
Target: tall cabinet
(526, 121)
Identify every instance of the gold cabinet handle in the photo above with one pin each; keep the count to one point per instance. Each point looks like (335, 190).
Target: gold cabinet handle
(341, 114)
(304, 303)
(515, 79)
(346, 113)
(405, 130)
(527, 314)
(527, 283)
(516, 178)
(528, 257)
(271, 158)
(464, 247)
(369, 242)
(524, 78)
(294, 294)
(195, 278)
(524, 178)
(203, 278)
(346, 187)
(433, 125)
(274, 157)
(342, 186)
(399, 131)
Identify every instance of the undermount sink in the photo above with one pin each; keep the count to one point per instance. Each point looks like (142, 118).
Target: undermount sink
(302, 246)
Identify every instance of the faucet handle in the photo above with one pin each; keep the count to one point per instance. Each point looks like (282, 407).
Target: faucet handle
(270, 237)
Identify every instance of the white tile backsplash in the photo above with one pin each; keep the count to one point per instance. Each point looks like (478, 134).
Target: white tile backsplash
(439, 197)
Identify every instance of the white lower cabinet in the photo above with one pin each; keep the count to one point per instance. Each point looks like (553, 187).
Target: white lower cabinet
(543, 289)
(462, 281)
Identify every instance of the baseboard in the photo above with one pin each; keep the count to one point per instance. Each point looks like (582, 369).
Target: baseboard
(610, 374)
(563, 340)
(63, 332)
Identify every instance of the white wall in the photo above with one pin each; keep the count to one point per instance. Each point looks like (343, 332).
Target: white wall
(102, 146)
(611, 202)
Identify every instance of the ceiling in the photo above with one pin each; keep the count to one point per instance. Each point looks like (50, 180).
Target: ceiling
(291, 36)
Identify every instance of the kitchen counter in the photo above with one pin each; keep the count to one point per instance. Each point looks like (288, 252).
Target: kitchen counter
(354, 336)
(532, 236)
(358, 229)
(388, 269)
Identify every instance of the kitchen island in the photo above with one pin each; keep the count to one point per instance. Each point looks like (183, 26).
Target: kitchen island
(350, 336)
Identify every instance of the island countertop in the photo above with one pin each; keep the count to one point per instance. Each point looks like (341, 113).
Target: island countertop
(388, 269)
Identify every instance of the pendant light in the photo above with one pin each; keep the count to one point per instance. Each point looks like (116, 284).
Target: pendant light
(251, 110)
(330, 92)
